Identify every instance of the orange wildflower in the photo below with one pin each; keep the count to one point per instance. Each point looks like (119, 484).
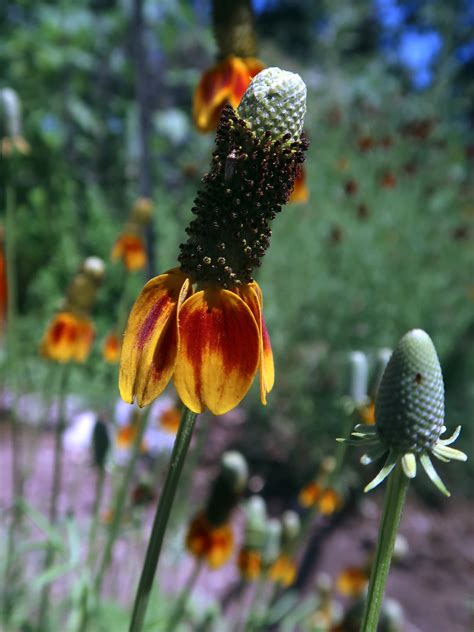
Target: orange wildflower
(300, 193)
(170, 420)
(202, 324)
(367, 413)
(249, 563)
(130, 248)
(326, 500)
(351, 582)
(329, 502)
(309, 494)
(213, 544)
(126, 436)
(111, 348)
(68, 337)
(283, 570)
(224, 83)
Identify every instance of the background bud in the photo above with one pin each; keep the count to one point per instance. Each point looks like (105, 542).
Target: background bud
(358, 377)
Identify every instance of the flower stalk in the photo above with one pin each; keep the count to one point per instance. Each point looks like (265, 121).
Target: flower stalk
(180, 606)
(178, 456)
(392, 511)
(56, 487)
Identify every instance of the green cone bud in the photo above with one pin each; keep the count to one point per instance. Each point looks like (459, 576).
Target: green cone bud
(275, 102)
(359, 377)
(291, 524)
(409, 409)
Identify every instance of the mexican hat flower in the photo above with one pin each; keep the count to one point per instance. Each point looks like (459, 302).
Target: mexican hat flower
(409, 414)
(210, 536)
(226, 82)
(202, 323)
(70, 333)
(68, 337)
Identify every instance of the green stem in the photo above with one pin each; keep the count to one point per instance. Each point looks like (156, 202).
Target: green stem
(56, 489)
(119, 503)
(180, 606)
(99, 490)
(178, 456)
(17, 476)
(392, 512)
(84, 602)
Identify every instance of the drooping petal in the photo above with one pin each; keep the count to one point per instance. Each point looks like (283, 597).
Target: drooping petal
(85, 338)
(150, 341)
(219, 351)
(251, 294)
(224, 83)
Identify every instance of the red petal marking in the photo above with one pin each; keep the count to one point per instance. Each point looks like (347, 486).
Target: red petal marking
(218, 351)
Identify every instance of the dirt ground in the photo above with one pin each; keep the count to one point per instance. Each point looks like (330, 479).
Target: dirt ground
(434, 583)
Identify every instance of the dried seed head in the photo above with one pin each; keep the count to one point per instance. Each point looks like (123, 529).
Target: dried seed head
(275, 102)
(409, 409)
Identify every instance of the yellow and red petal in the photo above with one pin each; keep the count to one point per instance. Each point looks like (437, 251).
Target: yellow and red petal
(254, 66)
(219, 351)
(224, 83)
(68, 337)
(300, 193)
(150, 341)
(251, 294)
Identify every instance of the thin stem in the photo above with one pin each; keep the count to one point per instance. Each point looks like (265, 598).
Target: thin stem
(392, 512)
(17, 475)
(178, 456)
(99, 491)
(56, 488)
(119, 503)
(180, 606)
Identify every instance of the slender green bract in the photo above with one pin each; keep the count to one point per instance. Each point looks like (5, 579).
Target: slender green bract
(178, 456)
(392, 511)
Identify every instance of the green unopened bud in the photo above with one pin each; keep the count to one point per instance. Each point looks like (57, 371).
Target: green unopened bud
(10, 107)
(359, 377)
(275, 102)
(227, 488)
(409, 409)
(100, 443)
(291, 528)
(94, 267)
(255, 527)
(272, 546)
